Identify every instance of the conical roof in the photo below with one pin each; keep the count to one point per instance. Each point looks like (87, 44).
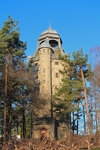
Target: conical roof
(49, 33)
(50, 30)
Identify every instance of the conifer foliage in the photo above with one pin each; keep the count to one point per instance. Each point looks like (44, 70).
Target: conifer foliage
(72, 91)
(18, 84)
(11, 52)
(81, 62)
(68, 91)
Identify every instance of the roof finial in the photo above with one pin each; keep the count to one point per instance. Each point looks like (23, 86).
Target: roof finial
(49, 24)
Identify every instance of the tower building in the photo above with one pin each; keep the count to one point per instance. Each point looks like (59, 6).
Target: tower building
(49, 47)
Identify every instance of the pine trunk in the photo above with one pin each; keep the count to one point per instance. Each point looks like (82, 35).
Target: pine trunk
(91, 109)
(86, 101)
(77, 118)
(95, 107)
(84, 121)
(9, 124)
(73, 123)
(31, 124)
(24, 124)
(17, 124)
(5, 102)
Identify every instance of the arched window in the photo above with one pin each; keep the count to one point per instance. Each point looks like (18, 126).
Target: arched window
(53, 43)
(56, 75)
(43, 132)
(42, 42)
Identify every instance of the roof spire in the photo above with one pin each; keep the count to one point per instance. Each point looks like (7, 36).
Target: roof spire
(49, 24)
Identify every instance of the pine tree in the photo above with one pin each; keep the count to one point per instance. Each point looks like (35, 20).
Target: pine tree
(11, 51)
(81, 62)
(68, 91)
(69, 95)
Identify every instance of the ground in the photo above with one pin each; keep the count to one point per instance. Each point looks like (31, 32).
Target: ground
(72, 142)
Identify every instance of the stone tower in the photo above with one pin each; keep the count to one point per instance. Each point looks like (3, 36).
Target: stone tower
(46, 58)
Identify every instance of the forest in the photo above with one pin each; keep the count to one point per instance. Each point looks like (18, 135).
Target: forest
(77, 96)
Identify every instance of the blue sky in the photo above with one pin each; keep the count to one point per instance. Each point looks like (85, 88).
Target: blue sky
(76, 21)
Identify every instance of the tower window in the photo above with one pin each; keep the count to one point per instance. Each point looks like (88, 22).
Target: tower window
(43, 81)
(43, 70)
(53, 43)
(56, 63)
(48, 51)
(56, 75)
(43, 50)
(41, 42)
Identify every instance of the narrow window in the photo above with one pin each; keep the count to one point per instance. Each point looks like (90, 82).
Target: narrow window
(56, 63)
(43, 50)
(43, 70)
(56, 75)
(43, 81)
